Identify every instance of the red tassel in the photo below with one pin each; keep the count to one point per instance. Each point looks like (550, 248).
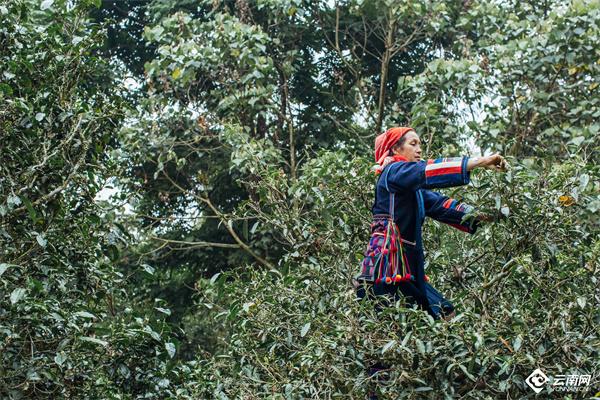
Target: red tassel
(397, 278)
(384, 251)
(426, 278)
(378, 281)
(388, 280)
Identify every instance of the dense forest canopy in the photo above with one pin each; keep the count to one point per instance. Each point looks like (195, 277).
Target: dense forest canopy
(185, 194)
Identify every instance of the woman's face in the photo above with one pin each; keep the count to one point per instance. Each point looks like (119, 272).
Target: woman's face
(411, 149)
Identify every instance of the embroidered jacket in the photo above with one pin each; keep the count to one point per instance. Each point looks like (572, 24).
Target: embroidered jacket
(402, 193)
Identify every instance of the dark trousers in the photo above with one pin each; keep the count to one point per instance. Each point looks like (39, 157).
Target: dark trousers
(431, 301)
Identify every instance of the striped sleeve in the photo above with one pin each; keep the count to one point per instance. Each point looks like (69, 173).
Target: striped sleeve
(431, 174)
(449, 211)
(444, 172)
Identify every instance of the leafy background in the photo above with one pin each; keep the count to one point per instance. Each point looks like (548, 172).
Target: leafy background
(186, 186)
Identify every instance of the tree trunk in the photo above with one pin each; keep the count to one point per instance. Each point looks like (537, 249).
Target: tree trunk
(385, 63)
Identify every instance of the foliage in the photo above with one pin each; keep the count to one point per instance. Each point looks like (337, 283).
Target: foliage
(65, 330)
(530, 74)
(297, 331)
(186, 186)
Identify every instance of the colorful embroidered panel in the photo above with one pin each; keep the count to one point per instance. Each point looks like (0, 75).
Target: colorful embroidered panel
(446, 171)
(384, 260)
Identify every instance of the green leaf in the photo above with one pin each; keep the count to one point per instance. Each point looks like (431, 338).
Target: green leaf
(517, 343)
(6, 89)
(13, 201)
(305, 329)
(94, 340)
(148, 269)
(577, 140)
(388, 346)
(163, 310)
(155, 335)
(33, 375)
(170, 349)
(3, 268)
(17, 295)
(214, 278)
(60, 358)
(112, 252)
(30, 209)
(46, 4)
(467, 373)
(124, 371)
(584, 179)
(423, 389)
(40, 239)
(84, 314)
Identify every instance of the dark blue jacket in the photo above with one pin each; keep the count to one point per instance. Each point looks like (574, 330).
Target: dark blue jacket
(402, 191)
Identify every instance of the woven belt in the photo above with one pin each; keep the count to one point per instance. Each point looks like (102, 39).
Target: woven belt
(381, 216)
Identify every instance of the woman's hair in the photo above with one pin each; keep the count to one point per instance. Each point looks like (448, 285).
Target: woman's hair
(398, 144)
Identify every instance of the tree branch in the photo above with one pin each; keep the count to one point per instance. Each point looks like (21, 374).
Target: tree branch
(197, 244)
(234, 235)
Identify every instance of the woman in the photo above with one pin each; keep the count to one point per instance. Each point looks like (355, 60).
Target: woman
(394, 262)
(393, 266)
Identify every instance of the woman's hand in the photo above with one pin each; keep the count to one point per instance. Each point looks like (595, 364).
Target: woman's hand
(495, 162)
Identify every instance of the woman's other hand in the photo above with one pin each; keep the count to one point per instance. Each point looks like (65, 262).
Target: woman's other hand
(490, 217)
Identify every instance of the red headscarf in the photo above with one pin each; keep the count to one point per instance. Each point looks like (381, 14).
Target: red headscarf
(387, 140)
(383, 145)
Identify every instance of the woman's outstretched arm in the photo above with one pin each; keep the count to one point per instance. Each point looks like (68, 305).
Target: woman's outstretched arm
(449, 211)
(438, 173)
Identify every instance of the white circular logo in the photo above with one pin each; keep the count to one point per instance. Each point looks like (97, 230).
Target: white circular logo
(537, 380)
